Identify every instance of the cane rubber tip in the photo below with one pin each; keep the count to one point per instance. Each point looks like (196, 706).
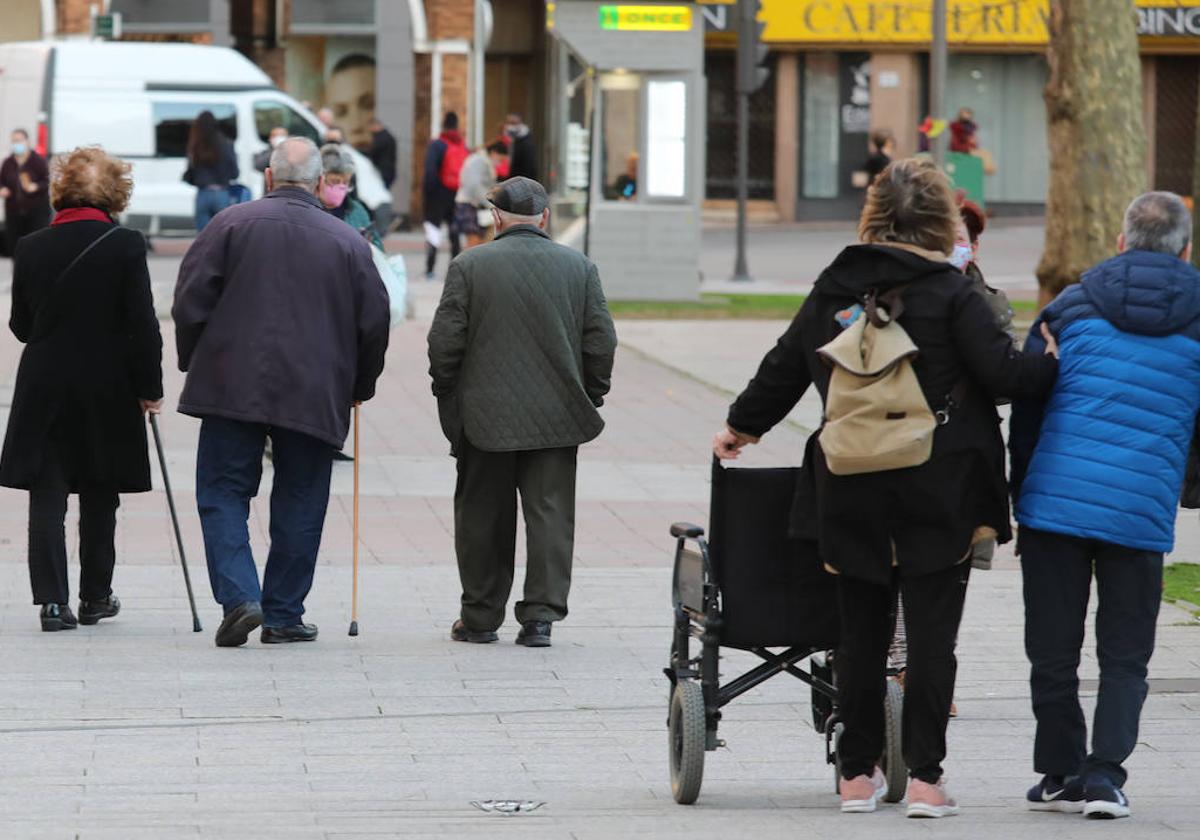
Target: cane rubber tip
(196, 628)
(353, 628)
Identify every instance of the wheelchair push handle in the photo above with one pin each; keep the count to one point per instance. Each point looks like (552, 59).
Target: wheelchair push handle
(686, 530)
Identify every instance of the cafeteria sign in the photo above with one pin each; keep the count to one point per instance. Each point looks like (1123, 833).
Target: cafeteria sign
(646, 18)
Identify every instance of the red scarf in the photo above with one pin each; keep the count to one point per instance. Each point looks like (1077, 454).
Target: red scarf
(80, 214)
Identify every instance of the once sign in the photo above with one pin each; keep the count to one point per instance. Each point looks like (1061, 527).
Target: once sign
(646, 18)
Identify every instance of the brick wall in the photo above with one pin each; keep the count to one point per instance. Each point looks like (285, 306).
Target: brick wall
(75, 16)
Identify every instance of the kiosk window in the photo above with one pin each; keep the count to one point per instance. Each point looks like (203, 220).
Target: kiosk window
(622, 128)
(821, 138)
(269, 115)
(173, 122)
(666, 139)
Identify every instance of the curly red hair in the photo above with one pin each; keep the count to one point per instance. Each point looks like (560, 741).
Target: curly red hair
(89, 177)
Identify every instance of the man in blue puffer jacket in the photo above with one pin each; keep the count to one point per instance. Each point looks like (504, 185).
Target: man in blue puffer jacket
(1096, 476)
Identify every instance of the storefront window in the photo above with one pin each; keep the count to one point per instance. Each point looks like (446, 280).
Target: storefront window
(821, 125)
(621, 128)
(666, 133)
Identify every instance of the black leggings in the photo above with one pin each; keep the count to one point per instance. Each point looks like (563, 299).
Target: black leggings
(48, 539)
(933, 605)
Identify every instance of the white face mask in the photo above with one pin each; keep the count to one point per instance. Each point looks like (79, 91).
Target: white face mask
(960, 257)
(19, 148)
(277, 139)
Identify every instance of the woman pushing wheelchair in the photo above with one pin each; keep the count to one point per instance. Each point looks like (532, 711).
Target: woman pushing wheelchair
(907, 470)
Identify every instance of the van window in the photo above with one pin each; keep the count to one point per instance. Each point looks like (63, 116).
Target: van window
(173, 121)
(269, 114)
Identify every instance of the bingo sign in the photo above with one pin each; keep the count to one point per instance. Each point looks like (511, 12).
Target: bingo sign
(646, 18)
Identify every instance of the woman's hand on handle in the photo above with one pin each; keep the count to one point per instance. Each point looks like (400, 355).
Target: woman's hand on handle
(727, 444)
(151, 406)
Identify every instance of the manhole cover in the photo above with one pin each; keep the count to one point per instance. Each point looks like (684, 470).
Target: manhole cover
(508, 807)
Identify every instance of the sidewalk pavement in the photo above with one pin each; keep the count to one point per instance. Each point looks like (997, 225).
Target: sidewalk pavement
(138, 728)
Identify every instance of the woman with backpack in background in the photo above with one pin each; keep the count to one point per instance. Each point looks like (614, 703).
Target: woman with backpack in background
(444, 161)
(904, 518)
(212, 168)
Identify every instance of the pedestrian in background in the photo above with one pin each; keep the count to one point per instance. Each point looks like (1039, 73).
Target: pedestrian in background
(471, 209)
(910, 528)
(444, 159)
(24, 187)
(338, 168)
(1097, 473)
(212, 168)
(521, 354)
(522, 154)
(91, 368)
(382, 151)
(263, 159)
(281, 323)
(883, 145)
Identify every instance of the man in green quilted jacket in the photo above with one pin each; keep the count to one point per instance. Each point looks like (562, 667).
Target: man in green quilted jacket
(521, 355)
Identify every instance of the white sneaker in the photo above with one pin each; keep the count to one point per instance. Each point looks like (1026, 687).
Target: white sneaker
(861, 794)
(930, 801)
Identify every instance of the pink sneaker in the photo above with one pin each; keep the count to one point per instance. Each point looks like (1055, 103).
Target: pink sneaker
(860, 794)
(932, 801)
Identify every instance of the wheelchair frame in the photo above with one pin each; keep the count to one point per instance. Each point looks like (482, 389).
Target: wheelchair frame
(697, 695)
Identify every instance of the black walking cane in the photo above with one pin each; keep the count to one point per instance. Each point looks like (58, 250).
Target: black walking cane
(187, 580)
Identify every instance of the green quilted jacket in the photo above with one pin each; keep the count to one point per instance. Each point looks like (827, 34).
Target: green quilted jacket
(521, 347)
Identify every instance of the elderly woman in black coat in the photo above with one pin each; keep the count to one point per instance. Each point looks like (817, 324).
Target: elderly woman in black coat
(909, 528)
(92, 367)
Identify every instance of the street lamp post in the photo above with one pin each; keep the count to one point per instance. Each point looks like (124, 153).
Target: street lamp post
(750, 77)
(937, 79)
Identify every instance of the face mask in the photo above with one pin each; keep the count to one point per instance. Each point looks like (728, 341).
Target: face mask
(276, 140)
(960, 257)
(19, 148)
(334, 194)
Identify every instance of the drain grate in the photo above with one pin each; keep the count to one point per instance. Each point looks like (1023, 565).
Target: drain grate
(507, 807)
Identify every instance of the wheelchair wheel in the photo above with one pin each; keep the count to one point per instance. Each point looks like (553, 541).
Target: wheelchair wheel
(686, 732)
(892, 762)
(835, 739)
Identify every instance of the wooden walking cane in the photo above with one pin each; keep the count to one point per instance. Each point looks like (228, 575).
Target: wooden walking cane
(354, 591)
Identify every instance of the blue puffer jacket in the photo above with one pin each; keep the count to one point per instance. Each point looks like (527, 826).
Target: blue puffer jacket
(1104, 457)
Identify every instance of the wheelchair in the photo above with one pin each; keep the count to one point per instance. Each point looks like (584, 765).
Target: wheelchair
(752, 587)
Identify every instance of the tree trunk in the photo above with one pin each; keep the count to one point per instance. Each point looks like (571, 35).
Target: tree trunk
(1097, 140)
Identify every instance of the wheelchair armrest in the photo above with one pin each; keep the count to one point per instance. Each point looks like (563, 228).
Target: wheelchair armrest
(681, 530)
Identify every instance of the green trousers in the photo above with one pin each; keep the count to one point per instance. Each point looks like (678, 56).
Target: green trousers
(485, 532)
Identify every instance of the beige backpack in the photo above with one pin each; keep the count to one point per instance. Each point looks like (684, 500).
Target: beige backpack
(876, 417)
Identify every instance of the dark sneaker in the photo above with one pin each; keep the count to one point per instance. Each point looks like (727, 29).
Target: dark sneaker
(534, 634)
(1104, 800)
(237, 626)
(1053, 793)
(58, 617)
(292, 633)
(459, 632)
(92, 611)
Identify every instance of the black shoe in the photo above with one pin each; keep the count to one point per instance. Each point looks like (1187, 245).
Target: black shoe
(1104, 800)
(460, 633)
(92, 611)
(58, 617)
(294, 633)
(1057, 794)
(237, 626)
(534, 634)
(339, 455)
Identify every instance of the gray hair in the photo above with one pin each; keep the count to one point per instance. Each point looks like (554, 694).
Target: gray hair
(335, 160)
(296, 162)
(1158, 221)
(510, 219)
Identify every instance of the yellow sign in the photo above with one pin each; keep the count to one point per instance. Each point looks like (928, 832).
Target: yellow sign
(646, 18)
(968, 22)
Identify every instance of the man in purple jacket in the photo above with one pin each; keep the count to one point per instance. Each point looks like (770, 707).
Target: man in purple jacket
(281, 324)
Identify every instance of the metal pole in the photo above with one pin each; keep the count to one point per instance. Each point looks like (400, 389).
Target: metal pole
(740, 272)
(937, 79)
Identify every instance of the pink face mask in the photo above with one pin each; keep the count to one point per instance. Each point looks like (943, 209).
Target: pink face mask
(334, 194)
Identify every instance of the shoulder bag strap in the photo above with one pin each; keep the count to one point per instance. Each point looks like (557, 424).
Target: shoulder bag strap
(49, 312)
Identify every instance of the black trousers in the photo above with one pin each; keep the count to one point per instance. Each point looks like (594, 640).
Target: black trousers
(933, 606)
(485, 532)
(446, 218)
(48, 538)
(1058, 571)
(17, 225)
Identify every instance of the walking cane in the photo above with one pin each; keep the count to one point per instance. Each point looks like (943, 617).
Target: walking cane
(187, 580)
(354, 590)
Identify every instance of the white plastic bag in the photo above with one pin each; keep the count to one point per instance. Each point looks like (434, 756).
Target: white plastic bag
(394, 275)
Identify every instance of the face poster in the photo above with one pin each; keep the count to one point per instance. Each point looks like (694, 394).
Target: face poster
(338, 74)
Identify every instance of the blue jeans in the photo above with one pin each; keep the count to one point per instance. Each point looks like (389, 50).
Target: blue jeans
(210, 202)
(1057, 573)
(228, 471)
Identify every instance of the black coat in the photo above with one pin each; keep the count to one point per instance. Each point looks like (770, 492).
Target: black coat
(93, 349)
(382, 153)
(522, 156)
(928, 513)
(281, 317)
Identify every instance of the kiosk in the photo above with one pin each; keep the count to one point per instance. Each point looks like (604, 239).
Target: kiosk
(627, 138)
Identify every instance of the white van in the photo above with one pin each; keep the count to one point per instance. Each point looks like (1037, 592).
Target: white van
(138, 101)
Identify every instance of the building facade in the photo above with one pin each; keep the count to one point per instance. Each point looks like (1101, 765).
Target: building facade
(844, 68)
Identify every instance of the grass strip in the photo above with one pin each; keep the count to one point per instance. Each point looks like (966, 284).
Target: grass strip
(1181, 582)
(718, 306)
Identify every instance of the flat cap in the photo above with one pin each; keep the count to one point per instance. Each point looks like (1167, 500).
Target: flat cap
(519, 196)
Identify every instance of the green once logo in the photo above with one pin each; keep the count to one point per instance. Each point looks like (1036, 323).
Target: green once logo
(610, 17)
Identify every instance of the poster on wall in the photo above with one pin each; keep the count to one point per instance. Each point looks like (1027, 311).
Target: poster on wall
(336, 73)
